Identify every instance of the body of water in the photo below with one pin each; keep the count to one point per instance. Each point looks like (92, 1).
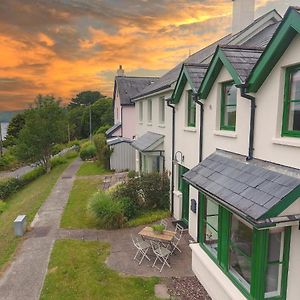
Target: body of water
(4, 130)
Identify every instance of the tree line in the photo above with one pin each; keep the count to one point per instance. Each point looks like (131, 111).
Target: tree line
(33, 133)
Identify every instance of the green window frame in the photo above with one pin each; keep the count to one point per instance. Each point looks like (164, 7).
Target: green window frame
(258, 257)
(191, 110)
(291, 108)
(228, 106)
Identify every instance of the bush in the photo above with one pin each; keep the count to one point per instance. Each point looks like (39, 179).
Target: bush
(59, 160)
(71, 154)
(103, 151)
(2, 206)
(7, 161)
(132, 174)
(108, 213)
(32, 175)
(129, 190)
(89, 152)
(129, 207)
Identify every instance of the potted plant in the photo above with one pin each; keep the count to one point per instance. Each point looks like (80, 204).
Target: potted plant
(158, 228)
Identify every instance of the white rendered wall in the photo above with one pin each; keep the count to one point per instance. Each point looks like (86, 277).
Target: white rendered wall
(128, 122)
(268, 143)
(214, 138)
(117, 108)
(216, 283)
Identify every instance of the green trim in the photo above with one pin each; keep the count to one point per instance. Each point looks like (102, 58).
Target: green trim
(183, 78)
(259, 255)
(184, 188)
(218, 61)
(224, 105)
(283, 204)
(281, 40)
(286, 105)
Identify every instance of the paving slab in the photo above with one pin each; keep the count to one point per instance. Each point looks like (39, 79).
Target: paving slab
(25, 276)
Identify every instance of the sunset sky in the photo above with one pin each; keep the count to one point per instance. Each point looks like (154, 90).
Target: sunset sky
(62, 47)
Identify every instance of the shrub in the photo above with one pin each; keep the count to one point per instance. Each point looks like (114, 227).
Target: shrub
(103, 151)
(7, 161)
(132, 174)
(129, 207)
(32, 175)
(108, 213)
(89, 152)
(2, 206)
(58, 160)
(58, 148)
(71, 154)
(129, 190)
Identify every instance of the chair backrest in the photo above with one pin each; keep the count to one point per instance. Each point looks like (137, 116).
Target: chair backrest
(164, 223)
(178, 231)
(155, 246)
(135, 241)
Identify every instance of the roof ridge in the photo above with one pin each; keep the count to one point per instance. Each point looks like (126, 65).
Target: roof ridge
(242, 47)
(196, 64)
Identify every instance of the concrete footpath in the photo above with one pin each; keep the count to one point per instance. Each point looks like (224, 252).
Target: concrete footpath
(25, 276)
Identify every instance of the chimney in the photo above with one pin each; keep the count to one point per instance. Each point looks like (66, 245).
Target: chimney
(120, 71)
(242, 14)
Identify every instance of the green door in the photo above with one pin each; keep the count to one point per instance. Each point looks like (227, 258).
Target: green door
(185, 190)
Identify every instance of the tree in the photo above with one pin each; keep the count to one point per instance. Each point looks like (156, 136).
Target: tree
(85, 98)
(103, 151)
(14, 128)
(45, 126)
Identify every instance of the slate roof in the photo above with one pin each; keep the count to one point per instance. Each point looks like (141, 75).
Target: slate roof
(242, 59)
(250, 189)
(262, 39)
(147, 141)
(117, 140)
(109, 132)
(129, 86)
(196, 73)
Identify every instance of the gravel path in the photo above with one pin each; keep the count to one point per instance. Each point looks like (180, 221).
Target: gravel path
(186, 288)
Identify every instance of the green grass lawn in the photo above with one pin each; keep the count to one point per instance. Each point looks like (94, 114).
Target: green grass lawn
(90, 169)
(26, 201)
(75, 214)
(77, 270)
(148, 217)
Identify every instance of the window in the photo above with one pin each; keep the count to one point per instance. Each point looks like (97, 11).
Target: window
(291, 111)
(210, 224)
(149, 111)
(240, 251)
(228, 106)
(161, 110)
(191, 110)
(256, 261)
(141, 111)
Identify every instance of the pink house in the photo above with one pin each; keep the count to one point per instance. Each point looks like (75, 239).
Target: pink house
(125, 88)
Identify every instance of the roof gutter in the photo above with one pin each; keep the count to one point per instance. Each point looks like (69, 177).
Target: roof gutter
(252, 120)
(195, 98)
(173, 151)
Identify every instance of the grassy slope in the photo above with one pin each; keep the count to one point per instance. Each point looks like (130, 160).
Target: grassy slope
(27, 201)
(75, 214)
(91, 169)
(77, 270)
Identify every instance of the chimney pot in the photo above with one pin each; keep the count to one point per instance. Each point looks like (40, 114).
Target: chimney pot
(120, 71)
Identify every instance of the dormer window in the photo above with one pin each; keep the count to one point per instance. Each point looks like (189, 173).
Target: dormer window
(228, 106)
(291, 111)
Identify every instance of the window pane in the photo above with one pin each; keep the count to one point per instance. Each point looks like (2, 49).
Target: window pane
(273, 280)
(191, 110)
(240, 250)
(295, 86)
(294, 116)
(211, 219)
(274, 246)
(229, 115)
(230, 93)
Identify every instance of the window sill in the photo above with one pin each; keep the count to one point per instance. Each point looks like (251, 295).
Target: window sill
(226, 133)
(191, 129)
(149, 124)
(162, 125)
(287, 141)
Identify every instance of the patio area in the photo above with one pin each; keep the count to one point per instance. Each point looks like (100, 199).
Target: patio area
(123, 251)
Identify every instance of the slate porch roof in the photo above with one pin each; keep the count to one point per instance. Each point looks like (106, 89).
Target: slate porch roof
(117, 140)
(110, 131)
(130, 86)
(250, 189)
(147, 141)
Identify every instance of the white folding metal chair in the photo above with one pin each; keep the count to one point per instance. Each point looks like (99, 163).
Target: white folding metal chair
(178, 235)
(142, 248)
(162, 254)
(164, 223)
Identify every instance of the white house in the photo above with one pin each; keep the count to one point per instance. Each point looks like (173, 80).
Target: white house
(226, 124)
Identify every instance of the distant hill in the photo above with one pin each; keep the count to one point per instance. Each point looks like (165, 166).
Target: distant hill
(6, 116)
